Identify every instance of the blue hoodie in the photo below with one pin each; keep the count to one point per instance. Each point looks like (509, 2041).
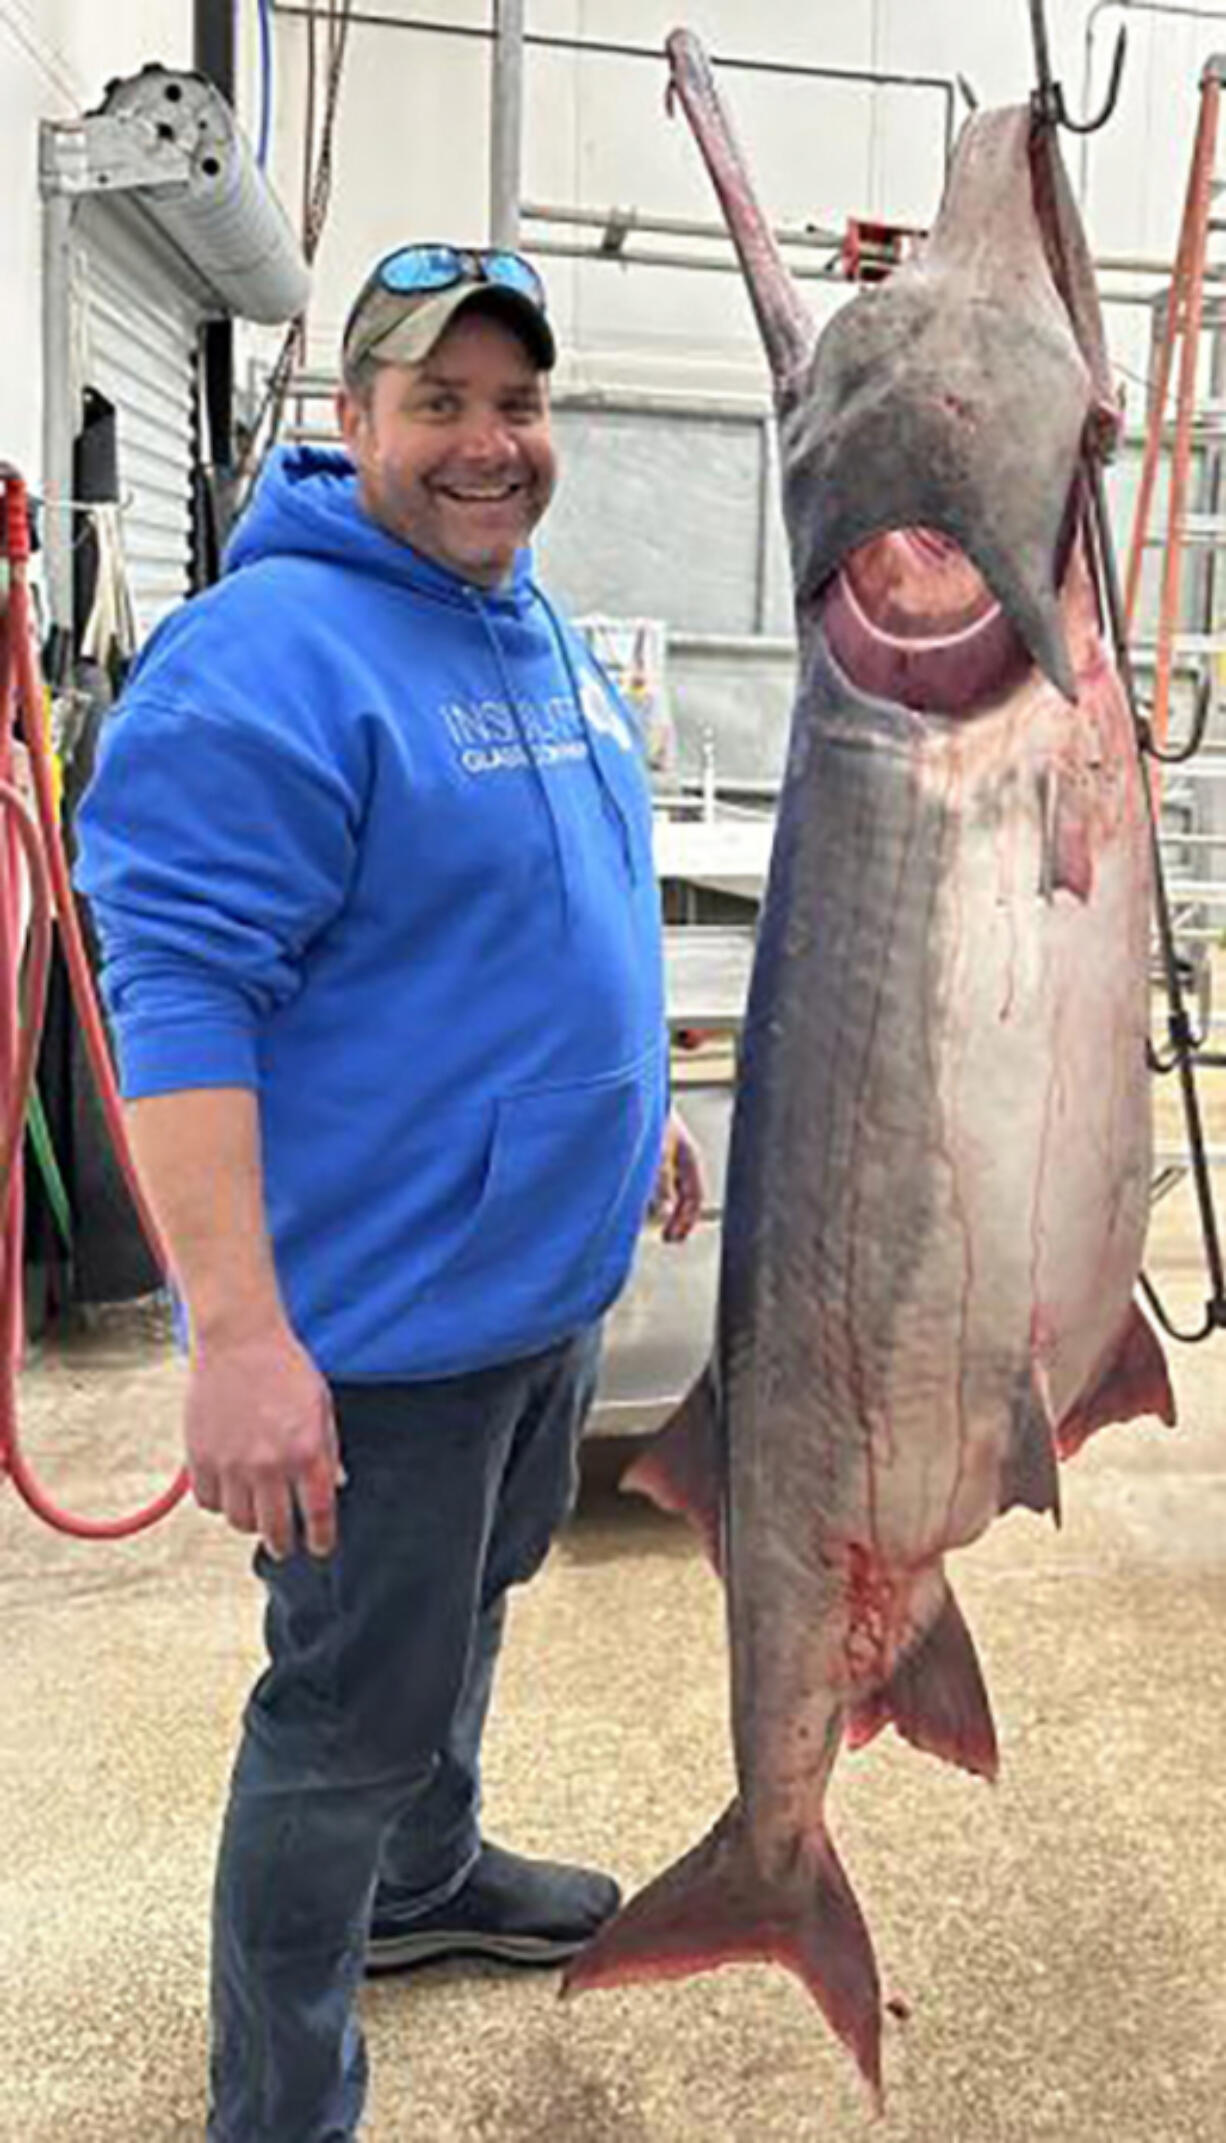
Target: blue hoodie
(376, 844)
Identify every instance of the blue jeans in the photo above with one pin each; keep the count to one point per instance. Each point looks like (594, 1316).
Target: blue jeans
(359, 1760)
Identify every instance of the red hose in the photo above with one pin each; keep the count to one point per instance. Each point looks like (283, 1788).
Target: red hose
(50, 887)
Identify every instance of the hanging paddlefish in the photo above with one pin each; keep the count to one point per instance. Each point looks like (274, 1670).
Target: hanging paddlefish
(939, 1170)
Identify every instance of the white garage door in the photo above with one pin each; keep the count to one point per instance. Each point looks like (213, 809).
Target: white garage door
(138, 329)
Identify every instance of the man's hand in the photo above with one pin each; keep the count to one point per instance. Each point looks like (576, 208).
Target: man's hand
(677, 1199)
(261, 1437)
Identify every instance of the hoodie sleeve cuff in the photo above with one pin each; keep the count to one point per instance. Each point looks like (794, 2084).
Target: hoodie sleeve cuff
(164, 1058)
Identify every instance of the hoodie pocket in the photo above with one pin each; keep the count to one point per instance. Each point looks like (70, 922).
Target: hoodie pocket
(570, 1171)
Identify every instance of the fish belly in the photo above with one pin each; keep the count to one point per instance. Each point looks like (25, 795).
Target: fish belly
(939, 1179)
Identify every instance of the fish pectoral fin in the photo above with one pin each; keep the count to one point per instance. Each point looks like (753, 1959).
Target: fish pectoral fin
(936, 1697)
(681, 1467)
(718, 1906)
(1066, 853)
(1029, 1475)
(1133, 1380)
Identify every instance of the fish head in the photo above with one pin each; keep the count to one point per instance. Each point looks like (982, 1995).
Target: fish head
(932, 436)
(945, 418)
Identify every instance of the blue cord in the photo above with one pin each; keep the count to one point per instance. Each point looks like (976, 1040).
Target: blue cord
(261, 154)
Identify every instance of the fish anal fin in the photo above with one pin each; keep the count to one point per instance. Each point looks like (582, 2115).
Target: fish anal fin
(1029, 1475)
(936, 1697)
(1133, 1380)
(681, 1467)
(717, 1906)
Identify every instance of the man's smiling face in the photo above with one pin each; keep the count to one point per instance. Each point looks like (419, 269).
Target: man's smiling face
(454, 455)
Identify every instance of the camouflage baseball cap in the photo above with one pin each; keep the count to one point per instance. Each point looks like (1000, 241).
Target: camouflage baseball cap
(412, 295)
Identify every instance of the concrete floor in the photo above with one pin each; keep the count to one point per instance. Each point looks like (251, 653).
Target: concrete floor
(1060, 1941)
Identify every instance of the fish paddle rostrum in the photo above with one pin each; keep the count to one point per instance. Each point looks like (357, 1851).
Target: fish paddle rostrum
(939, 1170)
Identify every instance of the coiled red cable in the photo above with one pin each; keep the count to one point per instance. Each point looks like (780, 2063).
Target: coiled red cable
(50, 893)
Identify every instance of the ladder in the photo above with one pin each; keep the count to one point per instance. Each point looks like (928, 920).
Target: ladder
(1188, 344)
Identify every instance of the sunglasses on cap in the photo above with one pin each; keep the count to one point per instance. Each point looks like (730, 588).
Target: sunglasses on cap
(437, 267)
(414, 271)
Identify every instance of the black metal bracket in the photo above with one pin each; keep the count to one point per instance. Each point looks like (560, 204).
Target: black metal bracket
(1179, 754)
(1182, 1037)
(1184, 1040)
(1214, 1319)
(1048, 101)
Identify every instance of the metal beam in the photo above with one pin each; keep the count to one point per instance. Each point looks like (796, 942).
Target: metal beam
(506, 122)
(61, 414)
(214, 56)
(213, 43)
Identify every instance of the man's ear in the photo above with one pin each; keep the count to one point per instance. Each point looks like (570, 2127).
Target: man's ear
(350, 416)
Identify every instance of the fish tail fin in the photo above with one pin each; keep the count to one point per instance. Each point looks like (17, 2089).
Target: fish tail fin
(936, 1697)
(681, 1466)
(717, 1906)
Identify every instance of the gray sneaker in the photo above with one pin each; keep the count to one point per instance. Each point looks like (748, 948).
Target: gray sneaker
(515, 1910)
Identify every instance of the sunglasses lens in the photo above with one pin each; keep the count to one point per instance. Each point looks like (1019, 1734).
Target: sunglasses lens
(421, 268)
(515, 273)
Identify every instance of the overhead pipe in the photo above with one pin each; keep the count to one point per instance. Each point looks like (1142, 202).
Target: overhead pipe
(882, 78)
(629, 257)
(627, 223)
(629, 220)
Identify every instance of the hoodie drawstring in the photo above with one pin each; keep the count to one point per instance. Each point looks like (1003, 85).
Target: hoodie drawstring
(608, 795)
(555, 833)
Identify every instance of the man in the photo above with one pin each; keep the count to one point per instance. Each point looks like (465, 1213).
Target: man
(369, 852)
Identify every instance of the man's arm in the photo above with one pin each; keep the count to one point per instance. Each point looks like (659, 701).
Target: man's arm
(259, 1427)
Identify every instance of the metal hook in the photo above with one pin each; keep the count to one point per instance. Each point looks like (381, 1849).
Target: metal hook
(1195, 737)
(1214, 1319)
(1091, 126)
(1048, 102)
(972, 101)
